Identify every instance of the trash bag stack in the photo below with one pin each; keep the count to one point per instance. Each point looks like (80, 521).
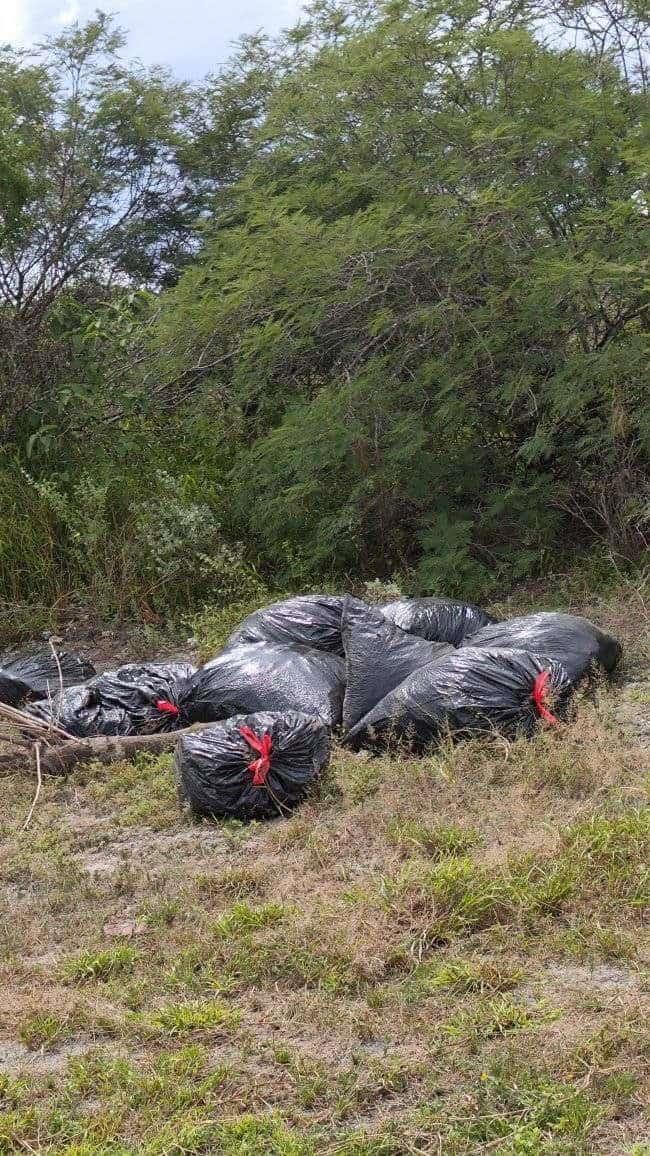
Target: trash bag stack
(414, 670)
(574, 642)
(312, 620)
(508, 677)
(437, 619)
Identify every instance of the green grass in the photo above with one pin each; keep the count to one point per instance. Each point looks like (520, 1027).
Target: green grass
(194, 971)
(233, 883)
(436, 842)
(214, 625)
(608, 842)
(459, 976)
(242, 919)
(496, 1017)
(44, 1030)
(522, 1112)
(362, 779)
(288, 963)
(589, 941)
(450, 899)
(138, 793)
(101, 965)
(197, 1016)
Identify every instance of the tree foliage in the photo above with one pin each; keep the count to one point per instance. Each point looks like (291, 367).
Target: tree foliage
(376, 292)
(92, 197)
(425, 300)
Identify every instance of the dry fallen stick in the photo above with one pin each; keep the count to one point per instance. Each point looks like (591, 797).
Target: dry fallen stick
(29, 725)
(39, 784)
(59, 752)
(60, 759)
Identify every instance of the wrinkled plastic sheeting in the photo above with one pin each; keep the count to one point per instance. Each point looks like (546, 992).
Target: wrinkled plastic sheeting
(215, 768)
(437, 619)
(33, 676)
(573, 641)
(467, 692)
(137, 698)
(80, 711)
(312, 620)
(269, 677)
(378, 657)
(138, 684)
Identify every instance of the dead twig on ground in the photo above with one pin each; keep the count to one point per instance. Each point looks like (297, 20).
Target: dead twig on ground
(39, 783)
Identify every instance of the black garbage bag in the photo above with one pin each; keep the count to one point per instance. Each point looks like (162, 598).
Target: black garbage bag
(437, 619)
(378, 657)
(138, 684)
(266, 676)
(33, 676)
(312, 620)
(469, 691)
(565, 638)
(255, 766)
(137, 698)
(79, 711)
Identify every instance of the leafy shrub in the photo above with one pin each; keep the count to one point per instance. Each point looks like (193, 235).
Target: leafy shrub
(101, 537)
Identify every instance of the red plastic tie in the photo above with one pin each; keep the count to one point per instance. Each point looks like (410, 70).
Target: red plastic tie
(260, 767)
(167, 707)
(540, 698)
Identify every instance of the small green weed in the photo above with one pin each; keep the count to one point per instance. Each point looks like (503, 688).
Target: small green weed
(496, 1017)
(286, 960)
(193, 970)
(12, 1090)
(140, 793)
(614, 852)
(161, 912)
(607, 843)
(242, 919)
(516, 1112)
(311, 1078)
(213, 626)
(437, 842)
(43, 1029)
(196, 1016)
(482, 975)
(451, 898)
(234, 883)
(103, 965)
(542, 886)
(360, 778)
(587, 940)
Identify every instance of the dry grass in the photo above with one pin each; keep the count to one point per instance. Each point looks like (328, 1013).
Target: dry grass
(439, 955)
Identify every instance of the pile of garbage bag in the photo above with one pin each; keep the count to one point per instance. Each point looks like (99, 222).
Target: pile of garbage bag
(312, 620)
(412, 670)
(468, 691)
(575, 642)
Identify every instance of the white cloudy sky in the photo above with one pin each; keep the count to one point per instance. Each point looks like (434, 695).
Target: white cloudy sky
(189, 36)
